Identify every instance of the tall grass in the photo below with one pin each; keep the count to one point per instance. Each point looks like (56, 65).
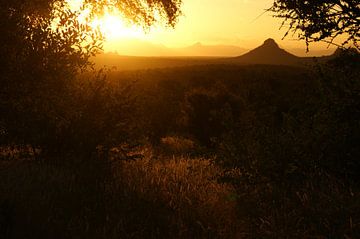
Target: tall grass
(200, 206)
(154, 197)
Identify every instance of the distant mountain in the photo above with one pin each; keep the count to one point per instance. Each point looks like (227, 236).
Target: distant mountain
(134, 47)
(268, 53)
(143, 48)
(199, 49)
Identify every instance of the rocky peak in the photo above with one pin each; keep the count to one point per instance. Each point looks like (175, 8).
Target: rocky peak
(270, 43)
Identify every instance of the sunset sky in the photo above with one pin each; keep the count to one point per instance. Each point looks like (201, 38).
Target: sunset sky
(241, 23)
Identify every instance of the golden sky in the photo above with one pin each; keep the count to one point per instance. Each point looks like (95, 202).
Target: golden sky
(241, 23)
(222, 22)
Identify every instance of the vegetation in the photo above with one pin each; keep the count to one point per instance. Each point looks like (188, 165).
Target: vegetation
(155, 197)
(44, 46)
(224, 151)
(214, 151)
(321, 20)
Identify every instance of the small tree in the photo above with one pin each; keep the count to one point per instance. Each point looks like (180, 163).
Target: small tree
(321, 20)
(44, 45)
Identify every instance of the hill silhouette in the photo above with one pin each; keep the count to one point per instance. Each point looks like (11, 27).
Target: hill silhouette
(146, 49)
(268, 53)
(198, 49)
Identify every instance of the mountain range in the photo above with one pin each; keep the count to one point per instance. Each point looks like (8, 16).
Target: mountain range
(268, 53)
(135, 47)
(141, 48)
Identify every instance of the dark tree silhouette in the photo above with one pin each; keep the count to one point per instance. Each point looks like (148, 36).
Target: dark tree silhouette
(28, 26)
(140, 11)
(43, 47)
(321, 20)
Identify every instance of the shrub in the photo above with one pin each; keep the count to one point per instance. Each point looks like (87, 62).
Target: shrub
(199, 206)
(303, 171)
(177, 145)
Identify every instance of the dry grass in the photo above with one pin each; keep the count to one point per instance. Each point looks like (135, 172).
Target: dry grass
(188, 187)
(18, 152)
(174, 197)
(177, 145)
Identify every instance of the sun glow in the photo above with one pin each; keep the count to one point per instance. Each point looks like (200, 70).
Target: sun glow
(114, 27)
(112, 24)
(239, 23)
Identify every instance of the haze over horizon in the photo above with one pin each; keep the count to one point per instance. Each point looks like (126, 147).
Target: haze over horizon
(140, 48)
(242, 24)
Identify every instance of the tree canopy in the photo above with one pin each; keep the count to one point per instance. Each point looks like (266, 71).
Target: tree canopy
(141, 11)
(44, 44)
(46, 37)
(53, 25)
(321, 20)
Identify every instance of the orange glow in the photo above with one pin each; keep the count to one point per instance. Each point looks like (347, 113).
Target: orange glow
(240, 23)
(114, 27)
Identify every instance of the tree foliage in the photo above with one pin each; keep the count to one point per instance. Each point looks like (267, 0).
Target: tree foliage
(325, 20)
(140, 11)
(54, 32)
(44, 45)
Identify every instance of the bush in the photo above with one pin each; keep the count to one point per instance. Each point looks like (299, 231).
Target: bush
(207, 114)
(303, 170)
